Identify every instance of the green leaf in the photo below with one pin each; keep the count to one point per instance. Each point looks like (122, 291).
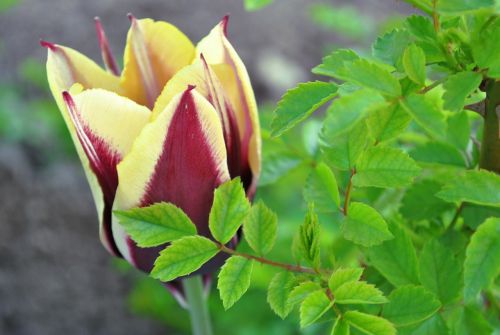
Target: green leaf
(333, 64)
(396, 259)
(476, 186)
(409, 305)
(358, 292)
(434, 325)
(301, 291)
(462, 6)
(343, 276)
(436, 152)
(156, 224)
(385, 167)
(421, 27)
(341, 327)
(369, 324)
(322, 190)
(260, 228)
(229, 209)
(470, 321)
(370, 75)
(234, 280)
(414, 64)
(440, 272)
(485, 47)
(279, 290)
(482, 258)
(458, 87)
(458, 130)
(346, 111)
(300, 102)
(364, 225)
(343, 151)
(420, 203)
(306, 243)
(387, 121)
(183, 257)
(255, 5)
(389, 48)
(276, 165)
(474, 215)
(313, 307)
(426, 113)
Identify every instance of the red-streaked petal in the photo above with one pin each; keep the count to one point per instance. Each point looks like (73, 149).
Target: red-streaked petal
(107, 55)
(180, 158)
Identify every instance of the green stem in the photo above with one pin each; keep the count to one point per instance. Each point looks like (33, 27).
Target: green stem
(490, 147)
(197, 305)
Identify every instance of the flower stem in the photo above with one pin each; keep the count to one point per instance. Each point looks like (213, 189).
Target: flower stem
(197, 306)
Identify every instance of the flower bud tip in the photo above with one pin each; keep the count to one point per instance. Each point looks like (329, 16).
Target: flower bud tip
(48, 45)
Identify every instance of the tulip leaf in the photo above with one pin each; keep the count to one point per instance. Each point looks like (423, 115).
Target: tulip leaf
(279, 291)
(385, 167)
(260, 228)
(482, 258)
(229, 209)
(156, 224)
(313, 307)
(409, 305)
(322, 190)
(183, 257)
(358, 292)
(234, 280)
(298, 103)
(414, 64)
(343, 276)
(458, 87)
(369, 324)
(364, 225)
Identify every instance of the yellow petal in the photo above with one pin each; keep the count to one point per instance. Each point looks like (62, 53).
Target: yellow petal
(155, 51)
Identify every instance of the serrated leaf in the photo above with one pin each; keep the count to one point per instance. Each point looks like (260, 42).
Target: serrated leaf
(426, 113)
(385, 167)
(298, 103)
(369, 324)
(277, 164)
(341, 327)
(279, 290)
(420, 203)
(440, 272)
(229, 209)
(469, 320)
(421, 27)
(333, 63)
(183, 257)
(462, 6)
(482, 258)
(255, 5)
(458, 87)
(358, 292)
(301, 291)
(370, 75)
(435, 152)
(234, 279)
(396, 259)
(485, 47)
(306, 242)
(410, 305)
(321, 189)
(364, 225)
(477, 186)
(156, 224)
(313, 307)
(414, 64)
(387, 121)
(343, 276)
(389, 48)
(260, 228)
(435, 325)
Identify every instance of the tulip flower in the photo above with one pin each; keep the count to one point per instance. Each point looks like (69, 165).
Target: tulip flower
(177, 122)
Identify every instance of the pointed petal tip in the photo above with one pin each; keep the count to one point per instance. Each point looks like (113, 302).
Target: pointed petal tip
(190, 88)
(49, 45)
(131, 17)
(224, 23)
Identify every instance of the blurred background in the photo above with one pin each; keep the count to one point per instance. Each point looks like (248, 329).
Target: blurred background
(55, 277)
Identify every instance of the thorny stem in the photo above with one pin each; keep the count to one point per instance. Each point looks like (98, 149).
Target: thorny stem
(348, 192)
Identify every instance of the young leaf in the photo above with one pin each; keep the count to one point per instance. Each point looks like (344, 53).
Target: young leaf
(358, 292)
(387, 121)
(364, 225)
(385, 167)
(334, 63)
(389, 47)
(228, 211)
(322, 190)
(440, 272)
(458, 87)
(476, 186)
(306, 242)
(341, 327)
(234, 279)
(343, 276)
(369, 324)
(396, 259)
(482, 258)
(419, 202)
(183, 257)
(313, 307)
(414, 64)
(301, 291)
(255, 5)
(426, 113)
(279, 290)
(156, 224)
(298, 103)
(370, 75)
(421, 27)
(409, 305)
(260, 228)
